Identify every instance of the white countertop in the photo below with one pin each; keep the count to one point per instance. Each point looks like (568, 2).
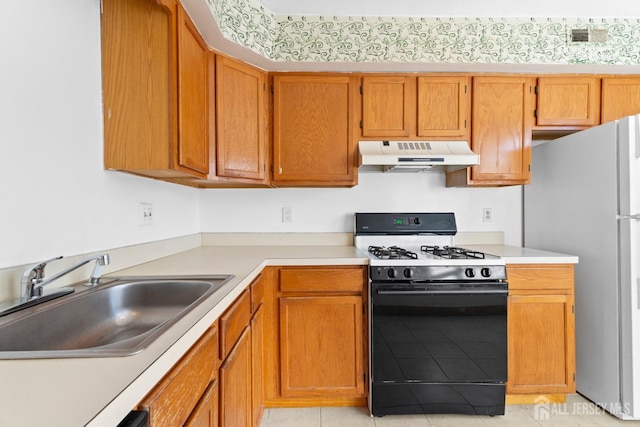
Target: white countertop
(519, 255)
(101, 391)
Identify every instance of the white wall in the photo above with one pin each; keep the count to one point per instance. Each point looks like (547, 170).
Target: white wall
(56, 197)
(331, 209)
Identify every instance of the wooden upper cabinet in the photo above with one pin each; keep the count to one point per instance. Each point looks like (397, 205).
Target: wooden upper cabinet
(194, 61)
(241, 120)
(388, 106)
(620, 97)
(314, 129)
(444, 107)
(502, 114)
(409, 107)
(568, 101)
(155, 77)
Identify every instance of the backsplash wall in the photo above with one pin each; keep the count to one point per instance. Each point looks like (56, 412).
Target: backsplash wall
(483, 40)
(332, 209)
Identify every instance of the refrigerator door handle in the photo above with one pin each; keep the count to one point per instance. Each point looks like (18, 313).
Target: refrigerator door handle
(636, 216)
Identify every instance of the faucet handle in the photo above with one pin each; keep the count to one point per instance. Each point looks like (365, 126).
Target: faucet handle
(34, 275)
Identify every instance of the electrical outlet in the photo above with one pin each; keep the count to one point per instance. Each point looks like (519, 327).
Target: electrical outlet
(146, 214)
(287, 214)
(487, 215)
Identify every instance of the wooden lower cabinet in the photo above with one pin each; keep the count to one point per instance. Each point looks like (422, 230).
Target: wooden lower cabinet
(175, 399)
(242, 352)
(235, 384)
(206, 413)
(321, 346)
(541, 331)
(315, 351)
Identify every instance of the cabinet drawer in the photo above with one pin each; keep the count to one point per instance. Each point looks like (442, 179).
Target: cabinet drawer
(171, 402)
(322, 279)
(233, 322)
(540, 276)
(257, 293)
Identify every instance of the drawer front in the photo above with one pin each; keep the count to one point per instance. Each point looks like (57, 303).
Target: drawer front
(171, 402)
(332, 279)
(540, 276)
(233, 322)
(257, 293)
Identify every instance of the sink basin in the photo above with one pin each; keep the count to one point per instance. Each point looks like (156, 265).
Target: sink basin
(119, 318)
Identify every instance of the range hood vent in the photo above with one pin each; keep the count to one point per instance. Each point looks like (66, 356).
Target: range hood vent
(415, 156)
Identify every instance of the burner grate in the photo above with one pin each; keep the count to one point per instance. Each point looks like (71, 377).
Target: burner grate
(392, 252)
(450, 252)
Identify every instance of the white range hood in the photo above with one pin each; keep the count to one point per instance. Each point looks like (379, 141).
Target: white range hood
(415, 156)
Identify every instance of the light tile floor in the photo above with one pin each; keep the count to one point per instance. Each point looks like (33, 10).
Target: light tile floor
(577, 412)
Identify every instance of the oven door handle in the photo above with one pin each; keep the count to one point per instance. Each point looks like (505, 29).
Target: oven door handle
(424, 292)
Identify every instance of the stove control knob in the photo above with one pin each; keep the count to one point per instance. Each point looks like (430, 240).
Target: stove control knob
(408, 273)
(469, 272)
(416, 221)
(391, 273)
(486, 272)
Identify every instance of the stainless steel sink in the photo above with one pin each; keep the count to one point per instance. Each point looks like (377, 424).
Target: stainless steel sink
(118, 318)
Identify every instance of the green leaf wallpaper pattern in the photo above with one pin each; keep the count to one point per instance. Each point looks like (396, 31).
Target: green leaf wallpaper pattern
(424, 40)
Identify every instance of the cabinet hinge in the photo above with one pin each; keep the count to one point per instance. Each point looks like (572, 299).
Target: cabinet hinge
(271, 168)
(573, 309)
(535, 90)
(535, 113)
(361, 90)
(574, 377)
(271, 88)
(361, 125)
(529, 167)
(264, 87)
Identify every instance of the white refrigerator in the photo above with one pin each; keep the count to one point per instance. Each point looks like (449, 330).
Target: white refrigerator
(584, 200)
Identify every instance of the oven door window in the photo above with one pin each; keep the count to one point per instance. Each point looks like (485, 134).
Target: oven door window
(435, 337)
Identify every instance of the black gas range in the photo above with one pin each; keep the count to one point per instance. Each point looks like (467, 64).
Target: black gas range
(438, 317)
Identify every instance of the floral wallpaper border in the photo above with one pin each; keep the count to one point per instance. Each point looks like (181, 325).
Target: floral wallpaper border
(424, 40)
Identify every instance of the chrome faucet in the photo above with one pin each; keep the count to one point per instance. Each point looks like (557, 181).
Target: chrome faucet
(33, 282)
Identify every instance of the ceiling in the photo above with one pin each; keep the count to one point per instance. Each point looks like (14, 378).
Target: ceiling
(458, 8)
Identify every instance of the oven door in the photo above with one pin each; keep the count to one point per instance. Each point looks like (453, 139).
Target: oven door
(438, 348)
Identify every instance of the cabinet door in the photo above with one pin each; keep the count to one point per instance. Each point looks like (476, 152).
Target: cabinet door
(193, 96)
(314, 130)
(541, 344)
(502, 119)
(257, 361)
(240, 102)
(388, 106)
(235, 385)
(620, 97)
(137, 89)
(205, 413)
(568, 101)
(321, 346)
(444, 107)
